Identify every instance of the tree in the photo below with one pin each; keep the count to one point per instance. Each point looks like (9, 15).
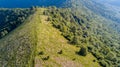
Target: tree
(75, 40)
(110, 56)
(103, 63)
(83, 51)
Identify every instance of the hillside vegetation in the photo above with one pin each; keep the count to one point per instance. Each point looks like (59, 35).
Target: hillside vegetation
(53, 50)
(12, 18)
(37, 43)
(78, 35)
(96, 35)
(17, 49)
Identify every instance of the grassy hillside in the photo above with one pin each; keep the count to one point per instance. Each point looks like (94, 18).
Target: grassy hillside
(12, 18)
(58, 37)
(37, 43)
(95, 33)
(51, 42)
(18, 47)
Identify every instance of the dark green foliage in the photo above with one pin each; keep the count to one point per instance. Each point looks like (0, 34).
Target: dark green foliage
(12, 18)
(94, 60)
(75, 40)
(90, 48)
(74, 59)
(46, 58)
(103, 63)
(18, 49)
(98, 56)
(96, 34)
(60, 52)
(110, 56)
(83, 51)
(41, 53)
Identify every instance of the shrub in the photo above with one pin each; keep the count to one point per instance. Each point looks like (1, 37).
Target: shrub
(75, 40)
(46, 58)
(74, 59)
(94, 60)
(110, 56)
(90, 48)
(41, 53)
(98, 56)
(83, 51)
(118, 54)
(103, 63)
(60, 52)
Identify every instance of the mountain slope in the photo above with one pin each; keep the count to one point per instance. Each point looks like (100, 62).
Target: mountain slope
(77, 28)
(94, 33)
(50, 42)
(91, 5)
(18, 47)
(12, 18)
(82, 24)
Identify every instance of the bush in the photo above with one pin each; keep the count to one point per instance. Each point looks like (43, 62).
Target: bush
(76, 40)
(60, 52)
(46, 58)
(83, 51)
(41, 53)
(98, 56)
(110, 56)
(90, 48)
(74, 59)
(103, 63)
(94, 60)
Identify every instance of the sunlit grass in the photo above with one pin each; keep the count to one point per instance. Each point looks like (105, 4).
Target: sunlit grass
(17, 48)
(50, 42)
(37, 34)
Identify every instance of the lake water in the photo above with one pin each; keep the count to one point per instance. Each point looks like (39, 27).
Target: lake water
(111, 2)
(29, 3)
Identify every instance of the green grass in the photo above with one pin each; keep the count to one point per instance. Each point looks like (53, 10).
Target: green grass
(18, 47)
(50, 41)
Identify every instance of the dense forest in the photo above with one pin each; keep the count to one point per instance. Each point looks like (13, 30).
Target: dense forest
(12, 18)
(82, 31)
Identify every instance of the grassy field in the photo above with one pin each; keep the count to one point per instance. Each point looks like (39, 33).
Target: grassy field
(37, 43)
(17, 48)
(51, 42)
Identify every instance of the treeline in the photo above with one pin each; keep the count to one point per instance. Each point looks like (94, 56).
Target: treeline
(81, 30)
(12, 18)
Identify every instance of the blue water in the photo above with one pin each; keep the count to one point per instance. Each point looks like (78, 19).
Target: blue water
(111, 2)
(29, 3)
(16, 3)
